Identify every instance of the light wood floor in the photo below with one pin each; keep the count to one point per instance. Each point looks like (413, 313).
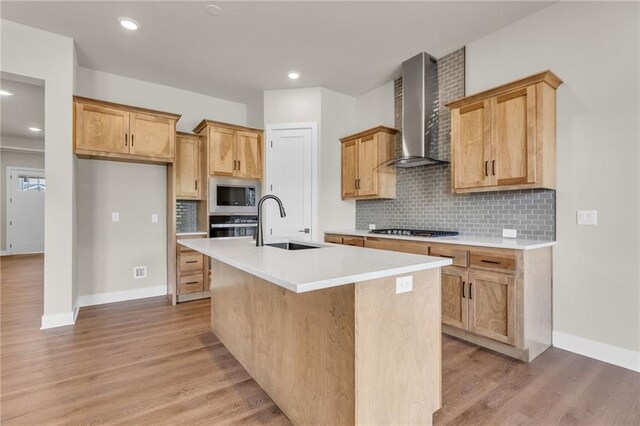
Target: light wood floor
(146, 362)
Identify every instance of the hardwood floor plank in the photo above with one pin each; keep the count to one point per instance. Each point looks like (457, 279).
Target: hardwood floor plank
(145, 362)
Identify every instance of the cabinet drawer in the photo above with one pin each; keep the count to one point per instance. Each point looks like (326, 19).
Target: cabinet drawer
(498, 262)
(353, 241)
(404, 246)
(191, 283)
(191, 261)
(459, 257)
(335, 239)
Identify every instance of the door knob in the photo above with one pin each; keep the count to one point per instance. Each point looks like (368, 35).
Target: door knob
(305, 230)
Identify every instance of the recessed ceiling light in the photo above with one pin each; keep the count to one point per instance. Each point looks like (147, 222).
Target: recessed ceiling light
(214, 9)
(294, 75)
(5, 93)
(129, 23)
(35, 129)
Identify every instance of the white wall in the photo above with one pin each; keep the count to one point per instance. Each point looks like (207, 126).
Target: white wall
(376, 107)
(335, 115)
(338, 119)
(13, 159)
(50, 57)
(594, 48)
(109, 251)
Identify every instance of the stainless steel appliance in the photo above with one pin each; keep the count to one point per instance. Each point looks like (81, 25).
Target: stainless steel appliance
(415, 232)
(232, 226)
(233, 196)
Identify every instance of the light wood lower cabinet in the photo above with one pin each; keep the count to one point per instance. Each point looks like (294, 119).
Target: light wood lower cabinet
(192, 273)
(496, 298)
(119, 132)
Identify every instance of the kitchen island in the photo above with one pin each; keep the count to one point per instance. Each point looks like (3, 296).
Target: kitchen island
(333, 334)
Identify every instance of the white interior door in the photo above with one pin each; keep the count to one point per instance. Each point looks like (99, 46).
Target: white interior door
(289, 176)
(25, 210)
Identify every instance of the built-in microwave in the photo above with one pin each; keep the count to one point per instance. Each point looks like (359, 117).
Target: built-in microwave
(233, 196)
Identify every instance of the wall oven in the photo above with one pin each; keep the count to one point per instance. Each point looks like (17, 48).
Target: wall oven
(233, 196)
(232, 226)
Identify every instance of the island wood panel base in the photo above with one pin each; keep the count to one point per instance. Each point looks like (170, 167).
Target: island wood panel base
(352, 354)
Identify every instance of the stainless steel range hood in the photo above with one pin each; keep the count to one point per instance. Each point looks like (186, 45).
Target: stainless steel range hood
(419, 112)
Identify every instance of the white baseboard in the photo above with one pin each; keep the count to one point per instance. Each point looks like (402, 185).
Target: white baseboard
(601, 351)
(58, 320)
(121, 296)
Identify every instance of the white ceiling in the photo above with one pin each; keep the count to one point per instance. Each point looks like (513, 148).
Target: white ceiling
(22, 110)
(350, 47)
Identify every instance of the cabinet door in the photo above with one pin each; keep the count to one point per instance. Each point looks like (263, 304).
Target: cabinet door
(471, 145)
(349, 168)
(513, 136)
(152, 136)
(248, 155)
(492, 306)
(101, 129)
(367, 165)
(188, 168)
(454, 297)
(221, 152)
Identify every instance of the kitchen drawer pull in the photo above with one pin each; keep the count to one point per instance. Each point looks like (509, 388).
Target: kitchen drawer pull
(193, 282)
(463, 285)
(470, 291)
(191, 261)
(494, 262)
(444, 255)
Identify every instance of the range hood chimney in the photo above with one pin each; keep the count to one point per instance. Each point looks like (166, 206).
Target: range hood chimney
(419, 112)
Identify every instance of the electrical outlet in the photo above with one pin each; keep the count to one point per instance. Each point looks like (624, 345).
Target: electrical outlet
(404, 284)
(115, 217)
(587, 217)
(154, 218)
(139, 272)
(509, 233)
(372, 226)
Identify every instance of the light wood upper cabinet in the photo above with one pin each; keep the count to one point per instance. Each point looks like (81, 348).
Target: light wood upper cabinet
(152, 136)
(232, 150)
(221, 152)
(364, 175)
(101, 129)
(505, 137)
(492, 305)
(119, 132)
(188, 176)
(248, 155)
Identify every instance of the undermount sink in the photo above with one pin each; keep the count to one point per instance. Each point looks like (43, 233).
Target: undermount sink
(291, 246)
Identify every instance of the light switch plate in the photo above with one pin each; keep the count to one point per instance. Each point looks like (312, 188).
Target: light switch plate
(154, 218)
(372, 226)
(587, 217)
(115, 217)
(139, 272)
(509, 233)
(404, 284)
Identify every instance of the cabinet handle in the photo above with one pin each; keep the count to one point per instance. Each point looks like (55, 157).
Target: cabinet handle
(238, 164)
(463, 285)
(126, 139)
(486, 168)
(192, 261)
(132, 140)
(192, 282)
(444, 255)
(358, 183)
(196, 181)
(493, 167)
(470, 291)
(494, 262)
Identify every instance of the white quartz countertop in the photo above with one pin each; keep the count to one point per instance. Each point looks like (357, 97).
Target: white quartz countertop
(506, 243)
(314, 269)
(188, 234)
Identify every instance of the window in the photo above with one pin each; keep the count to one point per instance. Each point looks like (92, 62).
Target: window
(31, 183)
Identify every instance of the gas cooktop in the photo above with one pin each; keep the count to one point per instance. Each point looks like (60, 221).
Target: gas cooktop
(414, 232)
